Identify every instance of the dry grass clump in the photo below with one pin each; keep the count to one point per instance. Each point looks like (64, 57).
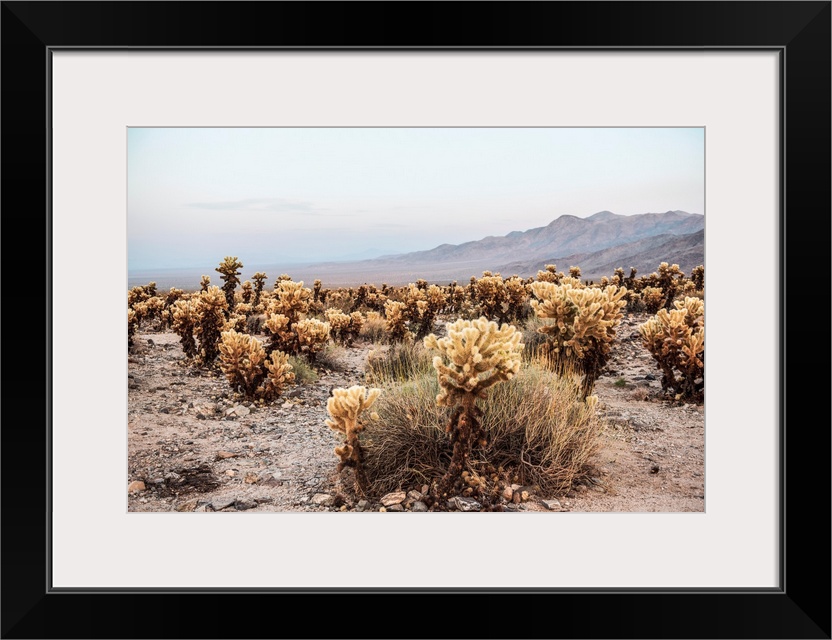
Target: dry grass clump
(398, 362)
(537, 429)
(374, 327)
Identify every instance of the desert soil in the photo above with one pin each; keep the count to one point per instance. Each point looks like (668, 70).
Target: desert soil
(193, 447)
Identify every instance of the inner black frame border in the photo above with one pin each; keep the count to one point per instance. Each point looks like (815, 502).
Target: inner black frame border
(799, 31)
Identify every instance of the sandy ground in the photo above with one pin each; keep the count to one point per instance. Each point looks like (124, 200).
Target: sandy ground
(193, 447)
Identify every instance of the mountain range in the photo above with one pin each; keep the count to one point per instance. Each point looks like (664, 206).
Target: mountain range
(597, 244)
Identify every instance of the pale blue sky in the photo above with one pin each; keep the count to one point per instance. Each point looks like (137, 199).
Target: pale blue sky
(285, 195)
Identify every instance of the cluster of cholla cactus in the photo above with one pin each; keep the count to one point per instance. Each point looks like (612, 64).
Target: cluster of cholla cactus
(211, 311)
(676, 339)
(501, 299)
(581, 327)
(343, 327)
(475, 355)
(423, 303)
(249, 370)
(549, 274)
(286, 322)
(395, 313)
(184, 314)
(229, 270)
(204, 283)
(345, 408)
(311, 335)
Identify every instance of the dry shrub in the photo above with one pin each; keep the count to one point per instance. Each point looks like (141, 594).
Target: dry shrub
(538, 430)
(331, 357)
(398, 362)
(374, 327)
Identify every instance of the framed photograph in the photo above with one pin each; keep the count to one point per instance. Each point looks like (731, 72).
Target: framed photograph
(92, 87)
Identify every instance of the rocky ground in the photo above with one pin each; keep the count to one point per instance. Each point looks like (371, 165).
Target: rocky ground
(193, 447)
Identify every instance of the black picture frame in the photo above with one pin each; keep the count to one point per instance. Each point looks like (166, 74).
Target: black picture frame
(799, 31)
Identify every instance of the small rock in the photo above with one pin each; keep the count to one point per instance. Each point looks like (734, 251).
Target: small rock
(395, 507)
(225, 455)
(190, 505)
(241, 411)
(222, 503)
(136, 486)
(571, 494)
(515, 497)
(464, 504)
(231, 473)
(599, 488)
(245, 504)
(551, 505)
(515, 487)
(425, 488)
(396, 497)
(250, 478)
(508, 493)
(362, 505)
(322, 499)
(419, 506)
(287, 405)
(415, 495)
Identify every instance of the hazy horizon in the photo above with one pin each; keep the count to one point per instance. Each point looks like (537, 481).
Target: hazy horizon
(284, 196)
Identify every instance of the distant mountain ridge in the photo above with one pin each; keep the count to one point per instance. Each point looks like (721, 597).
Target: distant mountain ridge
(597, 244)
(565, 236)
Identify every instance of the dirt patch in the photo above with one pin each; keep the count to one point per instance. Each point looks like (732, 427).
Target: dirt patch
(194, 446)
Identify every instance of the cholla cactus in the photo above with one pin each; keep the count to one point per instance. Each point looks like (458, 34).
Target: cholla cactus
(259, 281)
(184, 318)
(676, 338)
(345, 407)
(281, 335)
(131, 327)
(697, 276)
(141, 293)
(584, 322)
(249, 370)
(476, 355)
(551, 274)
(422, 303)
(247, 291)
(342, 327)
(339, 324)
(230, 273)
(211, 308)
(204, 283)
(290, 299)
(652, 298)
(394, 313)
(312, 335)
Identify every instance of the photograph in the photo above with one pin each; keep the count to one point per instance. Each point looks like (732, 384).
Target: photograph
(416, 319)
(453, 266)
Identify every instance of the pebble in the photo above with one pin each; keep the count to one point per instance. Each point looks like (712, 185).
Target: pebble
(136, 486)
(419, 506)
(190, 505)
(396, 497)
(395, 507)
(362, 505)
(464, 504)
(551, 505)
(322, 499)
(245, 504)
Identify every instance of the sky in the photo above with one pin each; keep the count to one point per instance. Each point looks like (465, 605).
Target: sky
(298, 195)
